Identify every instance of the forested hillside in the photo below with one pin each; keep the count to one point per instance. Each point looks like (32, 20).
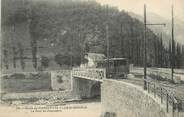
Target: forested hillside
(68, 29)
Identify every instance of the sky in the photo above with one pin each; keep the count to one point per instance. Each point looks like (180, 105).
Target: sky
(160, 7)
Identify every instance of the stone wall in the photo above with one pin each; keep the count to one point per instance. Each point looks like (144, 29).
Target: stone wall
(25, 82)
(128, 100)
(83, 88)
(61, 80)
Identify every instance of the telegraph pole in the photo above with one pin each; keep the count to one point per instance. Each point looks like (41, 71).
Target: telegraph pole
(172, 44)
(145, 47)
(71, 51)
(107, 42)
(145, 50)
(161, 57)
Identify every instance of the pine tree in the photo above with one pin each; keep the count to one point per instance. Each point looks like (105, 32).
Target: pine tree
(21, 56)
(14, 56)
(5, 52)
(155, 53)
(34, 52)
(182, 56)
(178, 56)
(170, 54)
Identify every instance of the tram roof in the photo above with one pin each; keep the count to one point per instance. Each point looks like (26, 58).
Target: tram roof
(116, 59)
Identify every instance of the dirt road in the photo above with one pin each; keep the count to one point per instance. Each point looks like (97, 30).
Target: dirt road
(85, 109)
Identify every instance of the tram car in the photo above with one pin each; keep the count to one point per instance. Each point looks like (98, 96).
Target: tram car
(116, 68)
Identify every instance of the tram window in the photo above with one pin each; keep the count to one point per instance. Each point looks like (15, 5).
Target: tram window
(122, 62)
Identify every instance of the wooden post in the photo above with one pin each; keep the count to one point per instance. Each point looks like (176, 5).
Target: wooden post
(161, 95)
(173, 106)
(167, 102)
(107, 39)
(104, 74)
(148, 87)
(71, 57)
(154, 90)
(177, 108)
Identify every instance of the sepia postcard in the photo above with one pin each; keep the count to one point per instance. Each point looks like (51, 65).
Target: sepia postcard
(92, 58)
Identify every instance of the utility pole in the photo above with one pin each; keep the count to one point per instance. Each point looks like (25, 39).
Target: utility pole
(71, 49)
(145, 47)
(107, 41)
(161, 53)
(172, 44)
(145, 50)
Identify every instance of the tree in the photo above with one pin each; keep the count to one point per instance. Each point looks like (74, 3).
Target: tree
(21, 55)
(5, 52)
(14, 56)
(178, 59)
(33, 30)
(170, 54)
(182, 56)
(86, 48)
(83, 22)
(62, 59)
(34, 52)
(45, 61)
(173, 57)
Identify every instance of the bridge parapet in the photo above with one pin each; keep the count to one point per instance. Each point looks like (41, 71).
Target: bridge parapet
(89, 73)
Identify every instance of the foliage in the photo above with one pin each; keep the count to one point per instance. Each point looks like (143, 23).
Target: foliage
(60, 79)
(62, 59)
(21, 55)
(45, 61)
(77, 27)
(17, 76)
(14, 56)
(5, 60)
(16, 10)
(34, 51)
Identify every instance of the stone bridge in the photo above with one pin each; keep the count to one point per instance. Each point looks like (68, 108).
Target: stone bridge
(118, 98)
(86, 82)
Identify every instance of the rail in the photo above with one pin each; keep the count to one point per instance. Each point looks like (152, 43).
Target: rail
(164, 94)
(166, 75)
(89, 73)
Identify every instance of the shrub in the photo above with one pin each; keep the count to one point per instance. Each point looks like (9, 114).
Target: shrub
(18, 76)
(62, 59)
(45, 61)
(60, 79)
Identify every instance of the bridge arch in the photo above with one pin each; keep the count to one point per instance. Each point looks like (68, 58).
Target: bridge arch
(95, 90)
(86, 83)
